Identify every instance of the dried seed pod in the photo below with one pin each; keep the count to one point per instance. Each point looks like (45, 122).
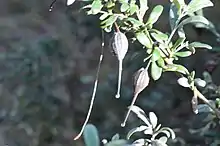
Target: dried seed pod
(141, 81)
(119, 46)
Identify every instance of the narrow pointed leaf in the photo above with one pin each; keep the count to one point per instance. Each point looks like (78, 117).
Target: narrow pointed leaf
(134, 130)
(140, 114)
(194, 19)
(183, 54)
(200, 45)
(103, 16)
(196, 5)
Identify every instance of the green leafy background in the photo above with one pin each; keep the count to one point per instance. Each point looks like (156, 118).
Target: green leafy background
(48, 62)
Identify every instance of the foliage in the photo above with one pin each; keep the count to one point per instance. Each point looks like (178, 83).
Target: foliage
(162, 51)
(157, 135)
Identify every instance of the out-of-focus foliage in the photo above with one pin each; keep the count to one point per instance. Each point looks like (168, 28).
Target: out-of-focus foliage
(45, 103)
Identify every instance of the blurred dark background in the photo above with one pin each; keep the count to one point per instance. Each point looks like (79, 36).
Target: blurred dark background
(48, 63)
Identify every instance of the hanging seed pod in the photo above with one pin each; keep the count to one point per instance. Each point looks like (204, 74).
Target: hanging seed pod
(141, 81)
(119, 45)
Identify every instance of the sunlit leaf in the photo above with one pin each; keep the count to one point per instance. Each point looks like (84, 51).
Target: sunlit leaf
(159, 36)
(183, 81)
(196, 5)
(161, 62)
(109, 21)
(156, 71)
(70, 2)
(96, 7)
(144, 39)
(90, 135)
(141, 114)
(153, 119)
(177, 68)
(155, 14)
(124, 7)
(200, 45)
(183, 54)
(135, 22)
(179, 42)
(143, 9)
(133, 9)
(103, 16)
(155, 54)
(194, 19)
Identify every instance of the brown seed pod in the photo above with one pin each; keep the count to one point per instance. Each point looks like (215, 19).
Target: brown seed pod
(141, 81)
(119, 45)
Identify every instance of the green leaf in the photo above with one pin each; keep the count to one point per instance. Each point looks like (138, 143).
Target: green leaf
(134, 22)
(155, 14)
(144, 39)
(183, 54)
(179, 4)
(133, 8)
(177, 68)
(109, 21)
(173, 16)
(103, 16)
(200, 45)
(96, 7)
(90, 135)
(161, 62)
(179, 42)
(194, 19)
(159, 36)
(155, 55)
(143, 9)
(156, 71)
(124, 7)
(196, 5)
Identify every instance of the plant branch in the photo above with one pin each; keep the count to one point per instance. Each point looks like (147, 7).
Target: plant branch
(206, 101)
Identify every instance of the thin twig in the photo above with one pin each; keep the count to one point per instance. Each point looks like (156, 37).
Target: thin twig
(94, 89)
